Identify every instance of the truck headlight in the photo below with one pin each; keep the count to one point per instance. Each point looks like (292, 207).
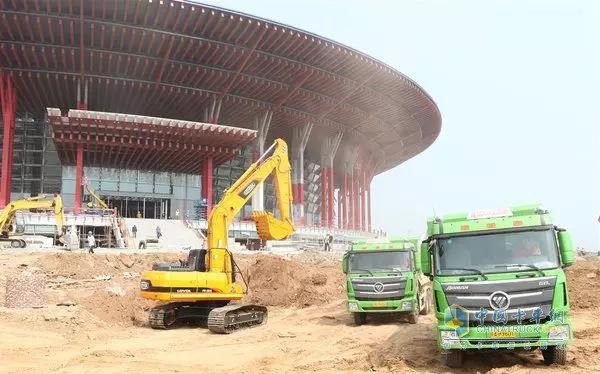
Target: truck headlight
(352, 307)
(407, 305)
(449, 337)
(144, 285)
(558, 333)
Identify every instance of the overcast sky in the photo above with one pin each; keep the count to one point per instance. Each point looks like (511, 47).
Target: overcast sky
(517, 83)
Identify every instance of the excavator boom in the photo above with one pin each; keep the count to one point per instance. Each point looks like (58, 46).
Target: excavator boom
(274, 161)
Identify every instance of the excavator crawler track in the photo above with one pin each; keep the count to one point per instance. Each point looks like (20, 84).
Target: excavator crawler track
(14, 243)
(170, 315)
(235, 317)
(161, 317)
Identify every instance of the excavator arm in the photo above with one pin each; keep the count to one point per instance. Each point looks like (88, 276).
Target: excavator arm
(274, 161)
(7, 214)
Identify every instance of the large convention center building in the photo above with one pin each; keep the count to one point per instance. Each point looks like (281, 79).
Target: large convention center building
(160, 105)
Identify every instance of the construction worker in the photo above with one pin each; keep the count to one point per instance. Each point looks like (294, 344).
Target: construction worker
(158, 233)
(176, 213)
(91, 242)
(134, 231)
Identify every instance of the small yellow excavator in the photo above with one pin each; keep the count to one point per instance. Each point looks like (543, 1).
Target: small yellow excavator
(94, 195)
(202, 287)
(7, 216)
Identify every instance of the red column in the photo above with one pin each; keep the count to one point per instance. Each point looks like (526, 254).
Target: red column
(356, 201)
(344, 199)
(339, 207)
(8, 102)
(363, 200)
(351, 203)
(324, 194)
(369, 207)
(330, 201)
(78, 177)
(207, 183)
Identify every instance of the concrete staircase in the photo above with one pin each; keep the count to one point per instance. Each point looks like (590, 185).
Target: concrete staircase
(175, 233)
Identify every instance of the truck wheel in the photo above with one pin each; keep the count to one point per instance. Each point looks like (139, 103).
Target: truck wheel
(359, 318)
(554, 355)
(413, 317)
(427, 307)
(454, 358)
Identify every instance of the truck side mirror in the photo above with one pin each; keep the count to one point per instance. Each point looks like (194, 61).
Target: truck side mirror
(345, 263)
(425, 259)
(567, 250)
(417, 256)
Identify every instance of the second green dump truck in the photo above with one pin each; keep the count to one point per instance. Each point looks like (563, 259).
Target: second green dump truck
(499, 283)
(386, 277)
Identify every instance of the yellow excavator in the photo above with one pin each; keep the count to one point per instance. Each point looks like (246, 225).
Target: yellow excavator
(202, 287)
(94, 195)
(7, 216)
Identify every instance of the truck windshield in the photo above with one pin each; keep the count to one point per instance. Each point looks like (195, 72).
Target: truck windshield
(379, 261)
(497, 253)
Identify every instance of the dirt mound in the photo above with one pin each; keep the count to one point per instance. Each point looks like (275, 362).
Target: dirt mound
(84, 265)
(277, 281)
(115, 308)
(106, 285)
(584, 284)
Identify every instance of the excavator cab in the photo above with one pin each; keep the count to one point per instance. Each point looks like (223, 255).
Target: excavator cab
(196, 261)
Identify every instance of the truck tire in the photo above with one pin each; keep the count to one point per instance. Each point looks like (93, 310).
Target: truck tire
(413, 317)
(359, 318)
(454, 358)
(555, 355)
(427, 307)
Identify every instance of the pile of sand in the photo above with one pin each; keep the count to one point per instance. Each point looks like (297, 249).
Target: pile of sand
(275, 281)
(115, 300)
(84, 265)
(115, 308)
(584, 283)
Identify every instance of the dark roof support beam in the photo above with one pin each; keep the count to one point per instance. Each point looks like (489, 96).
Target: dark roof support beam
(165, 60)
(243, 62)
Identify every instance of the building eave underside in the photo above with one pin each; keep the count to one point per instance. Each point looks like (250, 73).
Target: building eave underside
(167, 60)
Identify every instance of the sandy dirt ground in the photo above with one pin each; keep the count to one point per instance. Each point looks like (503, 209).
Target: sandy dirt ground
(100, 326)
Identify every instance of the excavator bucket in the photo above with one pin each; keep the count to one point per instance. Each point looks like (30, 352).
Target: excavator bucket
(271, 228)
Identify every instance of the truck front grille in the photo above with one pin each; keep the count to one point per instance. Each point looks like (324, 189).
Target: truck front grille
(379, 288)
(524, 295)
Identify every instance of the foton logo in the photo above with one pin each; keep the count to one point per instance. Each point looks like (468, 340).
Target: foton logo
(451, 288)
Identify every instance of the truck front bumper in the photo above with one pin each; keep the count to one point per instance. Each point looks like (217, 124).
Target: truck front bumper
(406, 304)
(506, 336)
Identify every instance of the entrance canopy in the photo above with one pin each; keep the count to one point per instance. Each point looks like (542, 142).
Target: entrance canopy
(145, 143)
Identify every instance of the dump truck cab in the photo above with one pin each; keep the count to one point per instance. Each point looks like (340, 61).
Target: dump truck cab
(498, 282)
(386, 277)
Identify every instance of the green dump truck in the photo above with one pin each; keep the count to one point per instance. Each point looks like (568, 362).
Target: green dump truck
(498, 282)
(386, 277)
